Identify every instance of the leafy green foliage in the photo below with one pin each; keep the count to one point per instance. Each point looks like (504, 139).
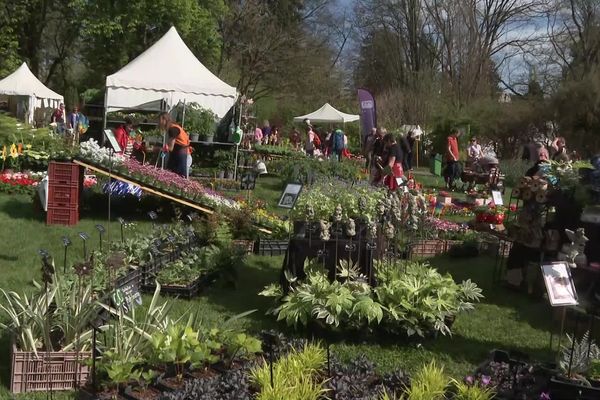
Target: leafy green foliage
(36, 325)
(584, 351)
(294, 376)
(464, 391)
(197, 119)
(138, 24)
(429, 383)
(275, 150)
(308, 170)
(357, 202)
(419, 298)
(411, 298)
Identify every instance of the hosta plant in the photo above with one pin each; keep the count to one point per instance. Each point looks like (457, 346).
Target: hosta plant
(411, 299)
(346, 304)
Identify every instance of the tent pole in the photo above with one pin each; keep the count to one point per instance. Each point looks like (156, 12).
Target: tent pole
(183, 116)
(105, 108)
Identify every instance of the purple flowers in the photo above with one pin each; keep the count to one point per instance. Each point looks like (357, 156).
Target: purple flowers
(485, 380)
(187, 187)
(545, 396)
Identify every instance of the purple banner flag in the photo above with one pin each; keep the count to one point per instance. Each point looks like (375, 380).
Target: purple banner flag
(368, 112)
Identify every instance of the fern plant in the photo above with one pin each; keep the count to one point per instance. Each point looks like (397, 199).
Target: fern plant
(584, 351)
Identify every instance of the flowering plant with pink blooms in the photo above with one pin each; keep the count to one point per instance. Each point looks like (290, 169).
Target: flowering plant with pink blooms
(175, 184)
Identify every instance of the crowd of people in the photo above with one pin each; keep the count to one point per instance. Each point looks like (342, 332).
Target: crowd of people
(388, 156)
(314, 141)
(74, 122)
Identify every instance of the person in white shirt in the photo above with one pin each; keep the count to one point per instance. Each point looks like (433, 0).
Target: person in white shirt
(474, 152)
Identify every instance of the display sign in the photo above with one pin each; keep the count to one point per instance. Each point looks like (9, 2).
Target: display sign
(112, 140)
(127, 296)
(290, 195)
(559, 284)
(497, 198)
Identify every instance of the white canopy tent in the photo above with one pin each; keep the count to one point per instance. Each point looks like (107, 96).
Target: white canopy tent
(167, 71)
(328, 114)
(23, 83)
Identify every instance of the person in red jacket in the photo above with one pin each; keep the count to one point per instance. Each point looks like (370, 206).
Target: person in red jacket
(122, 133)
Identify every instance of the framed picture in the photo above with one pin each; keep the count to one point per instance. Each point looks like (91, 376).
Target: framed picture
(290, 195)
(113, 140)
(497, 198)
(559, 284)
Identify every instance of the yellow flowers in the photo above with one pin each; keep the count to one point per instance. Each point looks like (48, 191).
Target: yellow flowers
(3, 153)
(13, 151)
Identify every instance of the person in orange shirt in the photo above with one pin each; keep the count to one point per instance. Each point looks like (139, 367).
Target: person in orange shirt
(178, 144)
(452, 156)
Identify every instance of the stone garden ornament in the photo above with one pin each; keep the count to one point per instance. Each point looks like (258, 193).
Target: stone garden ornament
(573, 252)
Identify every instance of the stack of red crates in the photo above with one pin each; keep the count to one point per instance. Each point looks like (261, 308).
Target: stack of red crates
(63, 193)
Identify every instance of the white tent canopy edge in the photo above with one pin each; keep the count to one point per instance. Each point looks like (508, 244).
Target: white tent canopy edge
(167, 71)
(22, 82)
(328, 114)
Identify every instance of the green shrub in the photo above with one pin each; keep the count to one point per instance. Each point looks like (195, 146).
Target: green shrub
(411, 298)
(295, 376)
(429, 383)
(307, 170)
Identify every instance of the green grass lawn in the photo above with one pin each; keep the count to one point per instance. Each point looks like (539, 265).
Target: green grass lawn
(503, 320)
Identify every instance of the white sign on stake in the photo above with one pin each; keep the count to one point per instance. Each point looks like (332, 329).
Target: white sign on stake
(497, 198)
(559, 284)
(113, 140)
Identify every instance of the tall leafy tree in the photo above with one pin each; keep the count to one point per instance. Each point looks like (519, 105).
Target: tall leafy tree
(115, 32)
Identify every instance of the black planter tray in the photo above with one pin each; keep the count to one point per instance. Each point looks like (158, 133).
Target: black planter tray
(130, 393)
(272, 247)
(133, 277)
(150, 269)
(88, 394)
(563, 389)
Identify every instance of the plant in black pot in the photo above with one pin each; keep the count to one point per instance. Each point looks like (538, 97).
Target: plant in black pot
(576, 375)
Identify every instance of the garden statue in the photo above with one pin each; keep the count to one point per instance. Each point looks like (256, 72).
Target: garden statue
(389, 230)
(573, 252)
(310, 212)
(362, 203)
(324, 230)
(372, 232)
(350, 228)
(338, 215)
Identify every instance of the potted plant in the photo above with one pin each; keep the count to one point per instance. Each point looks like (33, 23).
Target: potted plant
(199, 122)
(224, 160)
(497, 215)
(53, 321)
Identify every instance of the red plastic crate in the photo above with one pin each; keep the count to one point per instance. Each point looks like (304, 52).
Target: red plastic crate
(63, 173)
(63, 194)
(62, 215)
